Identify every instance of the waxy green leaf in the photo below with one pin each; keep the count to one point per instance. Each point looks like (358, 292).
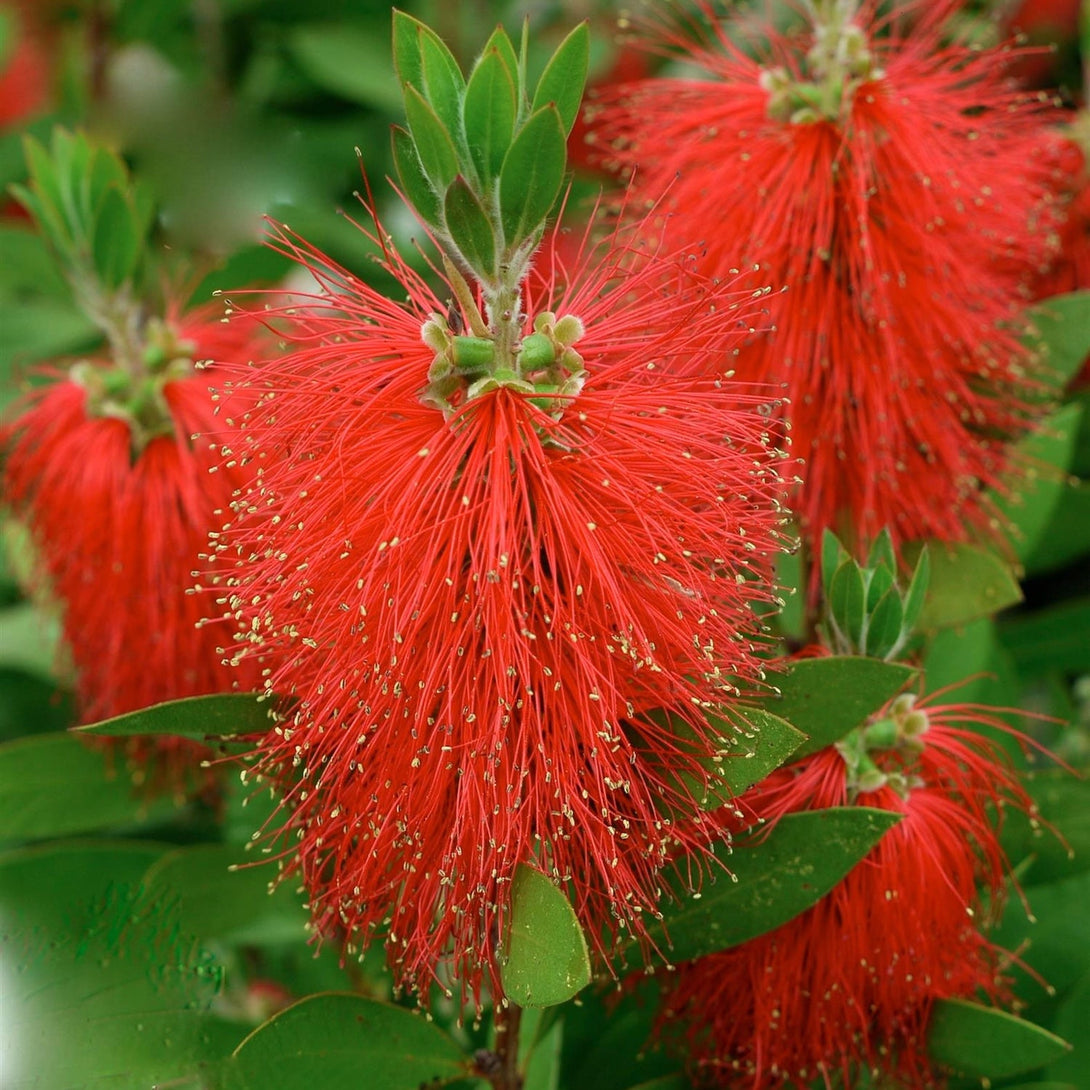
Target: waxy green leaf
(469, 226)
(983, 1042)
(546, 951)
(218, 715)
(826, 698)
(433, 143)
(966, 583)
(444, 85)
(219, 892)
(847, 600)
(565, 77)
(1063, 328)
(773, 877)
(338, 1041)
(763, 742)
(490, 109)
(410, 175)
(531, 176)
(53, 785)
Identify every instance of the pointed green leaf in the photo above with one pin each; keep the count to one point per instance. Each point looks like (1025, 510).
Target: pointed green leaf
(884, 624)
(917, 589)
(444, 85)
(847, 600)
(408, 62)
(218, 892)
(531, 176)
(881, 552)
(53, 785)
(881, 579)
(833, 554)
(470, 228)
(349, 61)
(336, 1040)
(1063, 328)
(547, 960)
(565, 77)
(499, 41)
(966, 583)
(412, 180)
(115, 244)
(758, 743)
(983, 1042)
(1046, 456)
(219, 715)
(489, 109)
(433, 142)
(773, 877)
(826, 698)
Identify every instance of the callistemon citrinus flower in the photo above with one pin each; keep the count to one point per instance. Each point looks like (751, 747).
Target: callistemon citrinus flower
(112, 469)
(473, 564)
(888, 181)
(849, 985)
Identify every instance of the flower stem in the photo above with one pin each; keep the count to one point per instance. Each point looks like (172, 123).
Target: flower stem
(506, 1075)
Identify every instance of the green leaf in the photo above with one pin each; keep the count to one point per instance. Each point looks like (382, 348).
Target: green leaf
(531, 176)
(847, 600)
(219, 715)
(966, 583)
(1063, 324)
(762, 742)
(489, 110)
(833, 554)
(881, 552)
(1056, 638)
(1046, 455)
(410, 175)
(339, 1041)
(565, 77)
(546, 951)
(408, 62)
(982, 1042)
(1072, 1022)
(52, 785)
(499, 41)
(542, 1041)
(115, 244)
(29, 639)
(221, 893)
(350, 61)
(98, 992)
(917, 589)
(1062, 804)
(773, 877)
(433, 143)
(470, 228)
(826, 698)
(444, 85)
(884, 624)
(881, 578)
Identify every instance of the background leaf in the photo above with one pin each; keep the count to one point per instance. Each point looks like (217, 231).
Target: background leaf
(966, 583)
(217, 715)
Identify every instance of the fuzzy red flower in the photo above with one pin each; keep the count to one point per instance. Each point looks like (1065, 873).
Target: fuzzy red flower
(888, 181)
(848, 986)
(469, 605)
(119, 485)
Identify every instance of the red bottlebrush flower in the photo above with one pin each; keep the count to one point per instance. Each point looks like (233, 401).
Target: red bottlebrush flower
(468, 605)
(888, 181)
(848, 986)
(119, 485)
(24, 73)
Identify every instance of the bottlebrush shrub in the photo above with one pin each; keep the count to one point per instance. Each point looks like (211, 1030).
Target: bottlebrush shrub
(114, 473)
(888, 180)
(848, 987)
(469, 586)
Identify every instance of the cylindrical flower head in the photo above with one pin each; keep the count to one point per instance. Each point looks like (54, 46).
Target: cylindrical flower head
(119, 484)
(848, 986)
(888, 182)
(468, 600)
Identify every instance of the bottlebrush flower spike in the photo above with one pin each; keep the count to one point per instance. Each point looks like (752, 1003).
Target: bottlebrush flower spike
(119, 484)
(470, 579)
(848, 986)
(889, 181)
